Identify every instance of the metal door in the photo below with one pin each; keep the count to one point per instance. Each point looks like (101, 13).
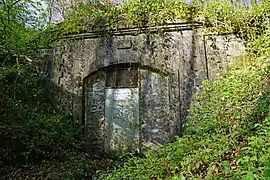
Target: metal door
(122, 119)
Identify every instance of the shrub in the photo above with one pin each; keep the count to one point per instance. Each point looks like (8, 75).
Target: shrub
(32, 130)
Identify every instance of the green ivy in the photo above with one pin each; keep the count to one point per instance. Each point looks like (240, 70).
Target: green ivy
(97, 16)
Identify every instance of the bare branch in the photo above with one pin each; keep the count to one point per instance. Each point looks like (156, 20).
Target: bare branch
(27, 58)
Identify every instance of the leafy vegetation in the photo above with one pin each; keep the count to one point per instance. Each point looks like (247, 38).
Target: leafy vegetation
(228, 130)
(31, 130)
(99, 15)
(33, 135)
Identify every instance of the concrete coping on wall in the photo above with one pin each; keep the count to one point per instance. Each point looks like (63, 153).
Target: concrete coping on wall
(170, 27)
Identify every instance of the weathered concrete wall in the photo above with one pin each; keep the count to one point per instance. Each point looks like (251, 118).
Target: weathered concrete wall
(221, 52)
(155, 110)
(94, 112)
(171, 66)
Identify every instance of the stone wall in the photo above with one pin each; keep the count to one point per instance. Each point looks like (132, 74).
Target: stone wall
(172, 65)
(221, 52)
(155, 110)
(94, 112)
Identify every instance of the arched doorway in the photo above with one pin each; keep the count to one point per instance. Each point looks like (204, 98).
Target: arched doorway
(122, 108)
(112, 109)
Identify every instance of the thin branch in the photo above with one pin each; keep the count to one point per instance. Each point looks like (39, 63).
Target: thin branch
(15, 2)
(27, 58)
(4, 2)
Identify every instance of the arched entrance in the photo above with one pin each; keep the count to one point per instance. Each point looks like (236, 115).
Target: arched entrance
(112, 108)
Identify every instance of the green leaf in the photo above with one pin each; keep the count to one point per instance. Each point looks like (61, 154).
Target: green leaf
(249, 176)
(266, 173)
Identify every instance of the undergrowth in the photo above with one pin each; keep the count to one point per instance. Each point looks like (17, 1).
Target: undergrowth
(32, 131)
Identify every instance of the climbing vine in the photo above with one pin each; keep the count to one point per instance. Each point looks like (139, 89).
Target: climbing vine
(94, 16)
